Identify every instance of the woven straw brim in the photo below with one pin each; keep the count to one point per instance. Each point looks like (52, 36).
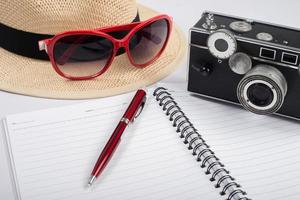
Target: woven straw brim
(33, 77)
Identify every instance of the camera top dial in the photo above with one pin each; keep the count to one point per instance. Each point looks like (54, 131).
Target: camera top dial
(222, 44)
(241, 26)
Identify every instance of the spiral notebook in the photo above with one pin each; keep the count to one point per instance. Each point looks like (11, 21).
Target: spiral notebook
(162, 155)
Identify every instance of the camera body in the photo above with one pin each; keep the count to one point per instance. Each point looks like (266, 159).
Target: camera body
(246, 62)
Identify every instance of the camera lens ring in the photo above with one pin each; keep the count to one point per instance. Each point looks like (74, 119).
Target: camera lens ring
(269, 77)
(257, 107)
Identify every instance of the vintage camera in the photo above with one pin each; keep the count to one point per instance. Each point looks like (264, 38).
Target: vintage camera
(246, 62)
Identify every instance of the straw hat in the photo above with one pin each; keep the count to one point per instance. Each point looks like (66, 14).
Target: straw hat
(23, 75)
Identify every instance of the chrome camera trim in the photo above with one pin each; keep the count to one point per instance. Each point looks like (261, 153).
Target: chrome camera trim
(263, 48)
(290, 54)
(261, 108)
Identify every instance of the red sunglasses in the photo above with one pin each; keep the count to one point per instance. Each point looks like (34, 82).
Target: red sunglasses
(86, 54)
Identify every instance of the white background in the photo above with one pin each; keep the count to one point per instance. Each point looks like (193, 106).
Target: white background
(185, 13)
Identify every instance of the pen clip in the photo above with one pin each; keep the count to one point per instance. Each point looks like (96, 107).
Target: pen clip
(141, 108)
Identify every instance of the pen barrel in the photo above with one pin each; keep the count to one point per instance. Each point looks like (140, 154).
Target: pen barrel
(109, 149)
(136, 104)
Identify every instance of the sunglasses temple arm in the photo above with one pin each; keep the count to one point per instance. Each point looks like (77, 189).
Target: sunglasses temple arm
(118, 28)
(150, 36)
(62, 60)
(43, 45)
(67, 54)
(69, 51)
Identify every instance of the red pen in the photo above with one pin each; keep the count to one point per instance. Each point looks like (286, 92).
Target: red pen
(134, 109)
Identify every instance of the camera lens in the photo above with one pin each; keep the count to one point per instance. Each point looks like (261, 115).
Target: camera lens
(262, 90)
(260, 95)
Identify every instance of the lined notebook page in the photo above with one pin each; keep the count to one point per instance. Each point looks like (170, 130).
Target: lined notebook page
(53, 152)
(261, 152)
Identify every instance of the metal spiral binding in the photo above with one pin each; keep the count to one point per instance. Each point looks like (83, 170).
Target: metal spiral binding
(199, 148)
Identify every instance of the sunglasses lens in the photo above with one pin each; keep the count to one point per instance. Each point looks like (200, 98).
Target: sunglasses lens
(82, 55)
(149, 41)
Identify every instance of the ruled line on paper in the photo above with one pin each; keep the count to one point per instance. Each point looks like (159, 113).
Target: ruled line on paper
(124, 171)
(53, 133)
(116, 189)
(61, 122)
(88, 141)
(97, 151)
(23, 122)
(117, 109)
(96, 144)
(71, 125)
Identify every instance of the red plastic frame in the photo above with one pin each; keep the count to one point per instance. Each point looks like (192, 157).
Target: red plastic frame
(117, 43)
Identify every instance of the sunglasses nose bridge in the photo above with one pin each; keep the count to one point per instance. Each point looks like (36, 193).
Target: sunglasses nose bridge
(121, 43)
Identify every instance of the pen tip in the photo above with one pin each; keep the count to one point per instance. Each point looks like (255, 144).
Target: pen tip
(91, 180)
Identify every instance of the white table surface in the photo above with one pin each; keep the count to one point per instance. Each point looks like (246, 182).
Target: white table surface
(185, 13)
